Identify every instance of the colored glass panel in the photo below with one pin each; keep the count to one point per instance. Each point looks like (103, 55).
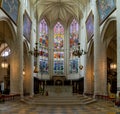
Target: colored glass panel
(74, 37)
(58, 55)
(43, 66)
(73, 64)
(58, 49)
(58, 36)
(58, 67)
(43, 33)
(43, 46)
(73, 41)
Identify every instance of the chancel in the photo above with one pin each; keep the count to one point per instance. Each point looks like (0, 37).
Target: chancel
(57, 53)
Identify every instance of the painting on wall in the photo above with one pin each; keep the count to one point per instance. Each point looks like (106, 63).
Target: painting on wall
(90, 26)
(10, 7)
(27, 24)
(105, 8)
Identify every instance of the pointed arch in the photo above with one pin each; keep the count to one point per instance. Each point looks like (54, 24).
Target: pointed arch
(26, 46)
(90, 47)
(9, 25)
(106, 26)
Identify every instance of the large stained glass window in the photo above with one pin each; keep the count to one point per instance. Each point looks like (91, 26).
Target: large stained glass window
(58, 49)
(73, 41)
(43, 46)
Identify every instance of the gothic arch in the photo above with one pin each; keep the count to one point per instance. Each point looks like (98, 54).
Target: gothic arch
(26, 46)
(108, 38)
(10, 26)
(91, 44)
(105, 27)
(44, 17)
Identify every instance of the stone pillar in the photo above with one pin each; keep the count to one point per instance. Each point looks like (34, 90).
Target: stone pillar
(97, 84)
(67, 52)
(50, 53)
(37, 41)
(118, 47)
(16, 77)
(89, 74)
(83, 58)
(100, 83)
(20, 39)
(66, 40)
(31, 64)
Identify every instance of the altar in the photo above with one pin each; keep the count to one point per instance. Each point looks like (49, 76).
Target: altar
(59, 90)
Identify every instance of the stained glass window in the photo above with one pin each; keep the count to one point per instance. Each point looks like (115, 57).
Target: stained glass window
(73, 64)
(58, 36)
(43, 46)
(58, 67)
(58, 49)
(73, 41)
(43, 33)
(74, 37)
(44, 66)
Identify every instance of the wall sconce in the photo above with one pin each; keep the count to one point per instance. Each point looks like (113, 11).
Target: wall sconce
(23, 72)
(36, 53)
(78, 52)
(4, 64)
(113, 66)
(81, 67)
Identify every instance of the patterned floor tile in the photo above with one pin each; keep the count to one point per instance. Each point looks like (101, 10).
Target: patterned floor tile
(100, 107)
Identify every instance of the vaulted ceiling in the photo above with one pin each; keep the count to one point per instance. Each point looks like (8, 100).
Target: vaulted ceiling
(62, 10)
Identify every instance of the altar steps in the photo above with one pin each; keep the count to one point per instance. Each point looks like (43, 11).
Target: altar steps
(60, 100)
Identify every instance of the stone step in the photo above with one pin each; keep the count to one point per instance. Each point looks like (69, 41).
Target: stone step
(90, 101)
(54, 100)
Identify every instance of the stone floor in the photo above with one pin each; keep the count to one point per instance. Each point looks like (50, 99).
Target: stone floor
(18, 107)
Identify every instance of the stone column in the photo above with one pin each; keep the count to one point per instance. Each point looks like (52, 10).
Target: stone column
(31, 64)
(20, 38)
(37, 41)
(16, 76)
(89, 74)
(118, 47)
(67, 59)
(100, 83)
(83, 58)
(50, 53)
(66, 40)
(97, 84)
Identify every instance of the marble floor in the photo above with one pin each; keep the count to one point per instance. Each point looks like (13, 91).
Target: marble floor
(18, 107)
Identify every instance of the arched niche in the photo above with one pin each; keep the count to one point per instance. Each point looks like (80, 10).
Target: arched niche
(8, 37)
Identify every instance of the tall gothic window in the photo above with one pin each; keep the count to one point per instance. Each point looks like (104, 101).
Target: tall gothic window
(73, 41)
(43, 46)
(58, 49)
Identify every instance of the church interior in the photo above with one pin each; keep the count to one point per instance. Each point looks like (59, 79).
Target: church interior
(59, 56)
